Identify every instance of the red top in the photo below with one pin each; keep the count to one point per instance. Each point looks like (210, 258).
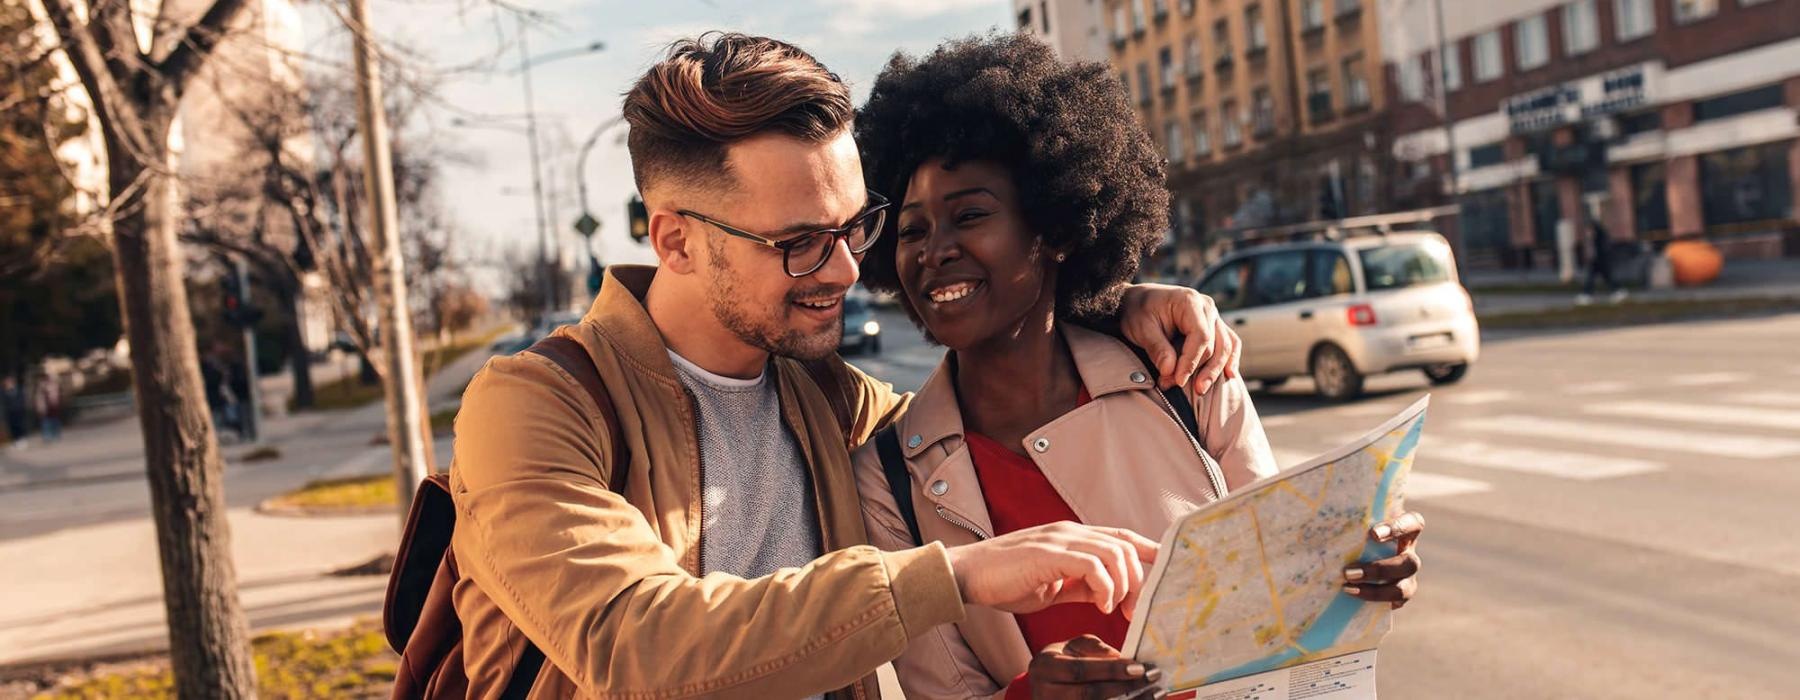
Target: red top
(1018, 497)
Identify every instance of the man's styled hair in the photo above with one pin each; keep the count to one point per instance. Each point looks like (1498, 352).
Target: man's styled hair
(719, 88)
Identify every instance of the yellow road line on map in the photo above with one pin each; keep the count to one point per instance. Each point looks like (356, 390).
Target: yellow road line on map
(1312, 503)
(1268, 576)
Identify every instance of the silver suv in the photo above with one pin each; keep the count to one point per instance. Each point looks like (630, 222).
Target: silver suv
(1341, 310)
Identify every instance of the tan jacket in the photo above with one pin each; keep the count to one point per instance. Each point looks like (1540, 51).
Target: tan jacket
(1121, 460)
(608, 586)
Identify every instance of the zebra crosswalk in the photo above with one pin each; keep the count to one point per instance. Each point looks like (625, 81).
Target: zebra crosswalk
(1598, 431)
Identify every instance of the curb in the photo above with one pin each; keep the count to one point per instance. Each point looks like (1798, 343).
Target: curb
(282, 510)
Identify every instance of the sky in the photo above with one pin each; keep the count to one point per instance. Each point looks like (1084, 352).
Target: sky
(486, 190)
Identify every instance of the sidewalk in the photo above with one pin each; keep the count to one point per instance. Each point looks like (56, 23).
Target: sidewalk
(78, 513)
(1740, 280)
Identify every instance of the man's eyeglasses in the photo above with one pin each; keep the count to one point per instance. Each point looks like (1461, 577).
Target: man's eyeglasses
(804, 254)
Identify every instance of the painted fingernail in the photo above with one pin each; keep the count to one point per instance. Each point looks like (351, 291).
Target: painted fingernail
(1382, 531)
(1352, 590)
(1135, 670)
(1353, 574)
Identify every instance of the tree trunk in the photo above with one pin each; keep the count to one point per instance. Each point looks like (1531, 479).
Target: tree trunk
(300, 361)
(209, 639)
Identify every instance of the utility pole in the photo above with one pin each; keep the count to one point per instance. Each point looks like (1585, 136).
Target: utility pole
(253, 413)
(537, 178)
(1452, 185)
(405, 429)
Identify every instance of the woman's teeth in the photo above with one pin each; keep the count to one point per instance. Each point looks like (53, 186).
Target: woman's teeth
(953, 292)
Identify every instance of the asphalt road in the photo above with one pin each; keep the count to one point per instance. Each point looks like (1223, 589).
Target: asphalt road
(1612, 513)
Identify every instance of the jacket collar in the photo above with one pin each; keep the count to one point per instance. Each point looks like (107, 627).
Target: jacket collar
(619, 314)
(1106, 365)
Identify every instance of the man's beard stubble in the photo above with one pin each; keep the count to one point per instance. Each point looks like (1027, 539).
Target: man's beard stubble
(768, 333)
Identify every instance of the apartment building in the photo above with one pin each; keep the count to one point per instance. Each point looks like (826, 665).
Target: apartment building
(1072, 27)
(1660, 118)
(1270, 111)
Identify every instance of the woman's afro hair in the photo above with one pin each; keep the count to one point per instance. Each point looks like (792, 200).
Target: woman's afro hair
(1090, 180)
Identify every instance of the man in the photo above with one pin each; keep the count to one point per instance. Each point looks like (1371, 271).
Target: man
(733, 562)
(12, 403)
(1599, 266)
(48, 402)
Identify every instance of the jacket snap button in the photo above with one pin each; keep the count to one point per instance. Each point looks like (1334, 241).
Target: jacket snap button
(914, 441)
(1138, 377)
(939, 488)
(1042, 445)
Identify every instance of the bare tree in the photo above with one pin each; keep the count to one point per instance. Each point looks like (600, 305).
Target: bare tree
(136, 95)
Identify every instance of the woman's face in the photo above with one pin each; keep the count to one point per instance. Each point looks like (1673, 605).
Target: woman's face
(968, 263)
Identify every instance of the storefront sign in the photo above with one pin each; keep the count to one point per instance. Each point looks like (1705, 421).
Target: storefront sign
(1579, 100)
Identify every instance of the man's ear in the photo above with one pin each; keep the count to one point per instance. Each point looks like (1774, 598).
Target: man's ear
(673, 239)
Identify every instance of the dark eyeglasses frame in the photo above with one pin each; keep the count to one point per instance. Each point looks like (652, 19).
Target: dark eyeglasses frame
(877, 207)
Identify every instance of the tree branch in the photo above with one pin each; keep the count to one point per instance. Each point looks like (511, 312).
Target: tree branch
(115, 109)
(185, 59)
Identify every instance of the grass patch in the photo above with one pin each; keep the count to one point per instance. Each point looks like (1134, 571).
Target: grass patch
(350, 392)
(350, 663)
(1637, 312)
(352, 492)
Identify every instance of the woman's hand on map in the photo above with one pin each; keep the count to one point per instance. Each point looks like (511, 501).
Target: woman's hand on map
(1392, 580)
(1085, 667)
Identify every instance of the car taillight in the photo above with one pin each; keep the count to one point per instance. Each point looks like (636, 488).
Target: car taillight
(1361, 315)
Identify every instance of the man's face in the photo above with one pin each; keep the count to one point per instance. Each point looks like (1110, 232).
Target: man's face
(786, 188)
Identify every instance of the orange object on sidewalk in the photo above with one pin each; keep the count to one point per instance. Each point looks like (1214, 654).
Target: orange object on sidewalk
(1694, 261)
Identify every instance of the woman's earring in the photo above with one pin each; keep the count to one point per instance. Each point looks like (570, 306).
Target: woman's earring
(1062, 256)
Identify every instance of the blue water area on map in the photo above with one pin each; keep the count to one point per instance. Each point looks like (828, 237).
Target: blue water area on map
(1330, 625)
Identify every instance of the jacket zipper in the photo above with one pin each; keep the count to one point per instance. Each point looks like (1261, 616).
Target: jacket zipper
(1214, 474)
(958, 521)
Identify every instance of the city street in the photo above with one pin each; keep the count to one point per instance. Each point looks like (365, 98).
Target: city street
(1610, 511)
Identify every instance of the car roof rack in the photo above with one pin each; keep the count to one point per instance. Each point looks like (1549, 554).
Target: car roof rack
(1335, 229)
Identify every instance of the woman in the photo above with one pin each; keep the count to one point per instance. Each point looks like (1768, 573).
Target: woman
(1027, 192)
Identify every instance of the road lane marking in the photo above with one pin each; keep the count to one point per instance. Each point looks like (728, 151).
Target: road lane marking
(1708, 378)
(1736, 416)
(1477, 398)
(1692, 441)
(1766, 398)
(1425, 485)
(1562, 464)
(1279, 421)
(1592, 388)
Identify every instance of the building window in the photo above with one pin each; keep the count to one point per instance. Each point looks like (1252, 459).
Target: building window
(1222, 40)
(1159, 8)
(1345, 8)
(1490, 154)
(1635, 18)
(1642, 122)
(1531, 40)
(1187, 7)
(1736, 103)
(1318, 94)
(1746, 184)
(1025, 19)
(1688, 11)
(1176, 152)
(1118, 24)
(1044, 13)
(1228, 120)
(1356, 85)
(1192, 50)
(1165, 66)
(1137, 16)
(1144, 87)
(1125, 82)
(1581, 27)
(1487, 56)
(1650, 197)
(1262, 119)
(1312, 14)
(1411, 79)
(1253, 25)
(1202, 136)
(1450, 69)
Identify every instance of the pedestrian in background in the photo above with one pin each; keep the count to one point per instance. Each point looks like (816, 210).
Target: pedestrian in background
(12, 403)
(1599, 267)
(48, 402)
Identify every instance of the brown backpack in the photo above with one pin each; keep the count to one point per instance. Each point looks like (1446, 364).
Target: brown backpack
(419, 615)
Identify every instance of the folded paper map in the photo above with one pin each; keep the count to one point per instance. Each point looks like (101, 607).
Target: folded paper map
(1246, 599)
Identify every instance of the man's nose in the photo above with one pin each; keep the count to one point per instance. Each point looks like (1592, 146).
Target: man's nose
(840, 266)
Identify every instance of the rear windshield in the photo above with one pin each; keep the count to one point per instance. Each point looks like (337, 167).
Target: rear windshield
(1398, 266)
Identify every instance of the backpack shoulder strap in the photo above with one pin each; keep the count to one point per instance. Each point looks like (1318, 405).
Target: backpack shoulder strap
(827, 373)
(899, 481)
(574, 359)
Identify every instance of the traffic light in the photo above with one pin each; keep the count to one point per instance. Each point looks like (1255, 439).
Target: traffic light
(237, 312)
(640, 219)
